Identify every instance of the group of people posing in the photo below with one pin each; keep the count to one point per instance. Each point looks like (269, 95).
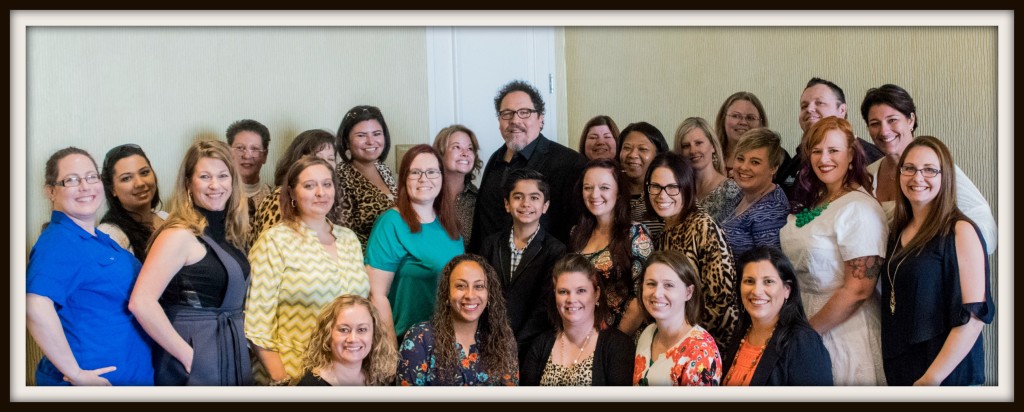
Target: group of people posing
(718, 259)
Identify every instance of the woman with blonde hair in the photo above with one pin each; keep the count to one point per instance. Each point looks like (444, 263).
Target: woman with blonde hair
(298, 266)
(191, 292)
(757, 215)
(350, 346)
(715, 191)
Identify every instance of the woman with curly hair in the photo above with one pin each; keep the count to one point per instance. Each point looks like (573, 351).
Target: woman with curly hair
(349, 347)
(469, 341)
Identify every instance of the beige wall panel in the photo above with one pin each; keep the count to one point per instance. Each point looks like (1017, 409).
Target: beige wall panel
(166, 87)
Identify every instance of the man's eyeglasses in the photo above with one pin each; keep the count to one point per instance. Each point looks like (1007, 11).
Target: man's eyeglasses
(415, 174)
(926, 172)
(739, 117)
(655, 189)
(74, 180)
(242, 150)
(522, 113)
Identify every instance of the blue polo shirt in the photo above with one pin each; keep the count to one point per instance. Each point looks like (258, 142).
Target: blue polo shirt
(89, 279)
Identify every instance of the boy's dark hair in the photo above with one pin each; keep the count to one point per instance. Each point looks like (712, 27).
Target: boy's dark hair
(525, 174)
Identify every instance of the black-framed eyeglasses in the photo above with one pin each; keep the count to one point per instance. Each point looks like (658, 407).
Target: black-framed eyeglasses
(522, 113)
(925, 171)
(655, 189)
(738, 117)
(74, 180)
(415, 174)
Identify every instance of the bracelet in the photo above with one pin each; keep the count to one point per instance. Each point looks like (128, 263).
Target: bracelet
(282, 382)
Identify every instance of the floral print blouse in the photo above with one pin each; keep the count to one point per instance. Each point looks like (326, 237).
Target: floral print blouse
(416, 363)
(694, 361)
(641, 246)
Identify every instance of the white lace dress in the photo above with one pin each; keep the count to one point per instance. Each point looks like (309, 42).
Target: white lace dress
(852, 226)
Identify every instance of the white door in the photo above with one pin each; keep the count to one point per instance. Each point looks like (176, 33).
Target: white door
(467, 65)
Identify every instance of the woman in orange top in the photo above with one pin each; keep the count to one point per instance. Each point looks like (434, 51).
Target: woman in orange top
(779, 347)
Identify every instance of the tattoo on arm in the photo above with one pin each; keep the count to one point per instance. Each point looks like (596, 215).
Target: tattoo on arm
(866, 267)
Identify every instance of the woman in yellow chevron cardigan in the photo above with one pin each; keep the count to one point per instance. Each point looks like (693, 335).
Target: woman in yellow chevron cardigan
(299, 266)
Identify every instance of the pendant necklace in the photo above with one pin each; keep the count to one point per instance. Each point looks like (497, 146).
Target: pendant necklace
(892, 275)
(581, 347)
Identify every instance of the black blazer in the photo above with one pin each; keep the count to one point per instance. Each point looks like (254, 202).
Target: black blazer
(613, 359)
(805, 362)
(528, 291)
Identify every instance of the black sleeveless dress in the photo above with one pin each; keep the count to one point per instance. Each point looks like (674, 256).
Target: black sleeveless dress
(205, 302)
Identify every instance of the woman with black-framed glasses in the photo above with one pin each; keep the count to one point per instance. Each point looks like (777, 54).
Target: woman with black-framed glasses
(78, 285)
(669, 192)
(411, 242)
(130, 186)
(936, 295)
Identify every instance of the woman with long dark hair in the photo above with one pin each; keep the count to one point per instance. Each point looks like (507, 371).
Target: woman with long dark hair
(615, 245)
(935, 290)
(468, 341)
(133, 198)
(778, 347)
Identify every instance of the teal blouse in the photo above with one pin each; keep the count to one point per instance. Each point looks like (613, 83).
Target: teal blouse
(416, 260)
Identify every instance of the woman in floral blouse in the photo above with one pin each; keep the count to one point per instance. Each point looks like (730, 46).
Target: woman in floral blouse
(469, 341)
(613, 243)
(675, 350)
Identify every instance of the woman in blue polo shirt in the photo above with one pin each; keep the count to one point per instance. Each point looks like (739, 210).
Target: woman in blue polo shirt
(78, 285)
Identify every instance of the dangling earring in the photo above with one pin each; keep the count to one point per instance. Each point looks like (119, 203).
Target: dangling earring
(293, 203)
(190, 201)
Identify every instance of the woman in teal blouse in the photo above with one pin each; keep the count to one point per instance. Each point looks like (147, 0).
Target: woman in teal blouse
(410, 243)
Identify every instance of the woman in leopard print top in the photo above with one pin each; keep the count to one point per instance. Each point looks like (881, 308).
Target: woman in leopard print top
(670, 192)
(367, 184)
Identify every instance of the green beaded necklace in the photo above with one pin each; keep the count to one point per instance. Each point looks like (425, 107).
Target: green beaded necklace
(805, 216)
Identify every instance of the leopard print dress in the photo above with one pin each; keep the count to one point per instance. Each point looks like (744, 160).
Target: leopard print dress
(703, 241)
(358, 203)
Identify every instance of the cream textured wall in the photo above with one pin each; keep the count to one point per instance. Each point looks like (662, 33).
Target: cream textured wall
(664, 74)
(166, 87)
